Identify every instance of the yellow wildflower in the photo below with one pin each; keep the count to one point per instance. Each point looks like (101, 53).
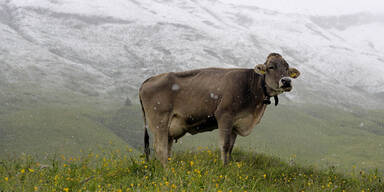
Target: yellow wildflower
(191, 163)
(66, 189)
(36, 188)
(22, 171)
(31, 170)
(6, 178)
(265, 176)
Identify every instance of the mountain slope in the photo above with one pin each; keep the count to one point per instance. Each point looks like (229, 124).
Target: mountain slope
(43, 130)
(106, 49)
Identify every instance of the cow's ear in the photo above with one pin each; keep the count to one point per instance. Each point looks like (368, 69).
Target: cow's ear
(293, 73)
(260, 69)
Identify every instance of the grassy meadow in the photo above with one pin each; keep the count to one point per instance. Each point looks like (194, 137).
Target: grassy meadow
(318, 136)
(315, 135)
(54, 129)
(198, 170)
(91, 146)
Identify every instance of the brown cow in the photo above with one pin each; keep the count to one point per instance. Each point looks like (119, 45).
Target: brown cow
(232, 100)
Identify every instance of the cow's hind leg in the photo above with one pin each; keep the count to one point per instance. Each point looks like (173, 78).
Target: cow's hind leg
(161, 147)
(225, 124)
(160, 128)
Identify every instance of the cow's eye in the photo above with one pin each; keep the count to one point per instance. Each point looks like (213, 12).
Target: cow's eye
(271, 67)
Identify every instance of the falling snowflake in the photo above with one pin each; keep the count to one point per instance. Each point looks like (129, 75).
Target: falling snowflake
(175, 87)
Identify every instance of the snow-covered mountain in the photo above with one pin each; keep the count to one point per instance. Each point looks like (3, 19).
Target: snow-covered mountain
(106, 48)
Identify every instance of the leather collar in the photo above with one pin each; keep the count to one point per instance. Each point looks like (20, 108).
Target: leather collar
(267, 99)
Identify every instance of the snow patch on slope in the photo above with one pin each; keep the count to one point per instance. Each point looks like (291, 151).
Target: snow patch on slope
(108, 47)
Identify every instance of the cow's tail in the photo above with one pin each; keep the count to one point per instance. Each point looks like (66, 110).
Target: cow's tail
(146, 136)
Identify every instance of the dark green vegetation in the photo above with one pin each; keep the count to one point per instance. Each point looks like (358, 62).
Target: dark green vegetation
(187, 171)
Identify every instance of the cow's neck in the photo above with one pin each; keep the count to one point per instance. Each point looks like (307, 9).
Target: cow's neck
(257, 88)
(267, 90)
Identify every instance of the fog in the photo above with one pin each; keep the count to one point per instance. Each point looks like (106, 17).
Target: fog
(70, 73)
(312, 7)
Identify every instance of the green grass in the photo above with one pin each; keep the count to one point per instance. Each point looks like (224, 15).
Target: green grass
(337, 151)
(127, 123)
(200, 170)
(312, 135)
(54, 129)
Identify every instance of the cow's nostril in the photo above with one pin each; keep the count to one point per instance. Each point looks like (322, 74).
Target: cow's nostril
(285, 81)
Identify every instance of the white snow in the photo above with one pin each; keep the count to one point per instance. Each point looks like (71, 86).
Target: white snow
(175, 87)
(116, 44)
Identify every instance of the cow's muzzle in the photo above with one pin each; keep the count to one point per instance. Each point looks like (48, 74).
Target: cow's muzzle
(285, 84)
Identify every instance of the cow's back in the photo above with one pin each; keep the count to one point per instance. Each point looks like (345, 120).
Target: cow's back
(195, 90)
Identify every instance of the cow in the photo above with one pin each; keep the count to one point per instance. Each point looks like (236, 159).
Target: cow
(232, 100)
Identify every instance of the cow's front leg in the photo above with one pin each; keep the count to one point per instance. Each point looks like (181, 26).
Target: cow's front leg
(170, 142)
(232, 144)
(225, 124)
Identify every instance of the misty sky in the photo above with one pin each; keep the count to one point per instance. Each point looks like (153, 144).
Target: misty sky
(318, 7)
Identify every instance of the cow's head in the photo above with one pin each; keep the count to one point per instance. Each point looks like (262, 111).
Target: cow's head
(278, 74)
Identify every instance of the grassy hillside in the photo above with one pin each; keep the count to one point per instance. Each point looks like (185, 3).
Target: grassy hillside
(344, 150)
(312, 135)
(187, 171)
(127, 123)
(54, 129)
